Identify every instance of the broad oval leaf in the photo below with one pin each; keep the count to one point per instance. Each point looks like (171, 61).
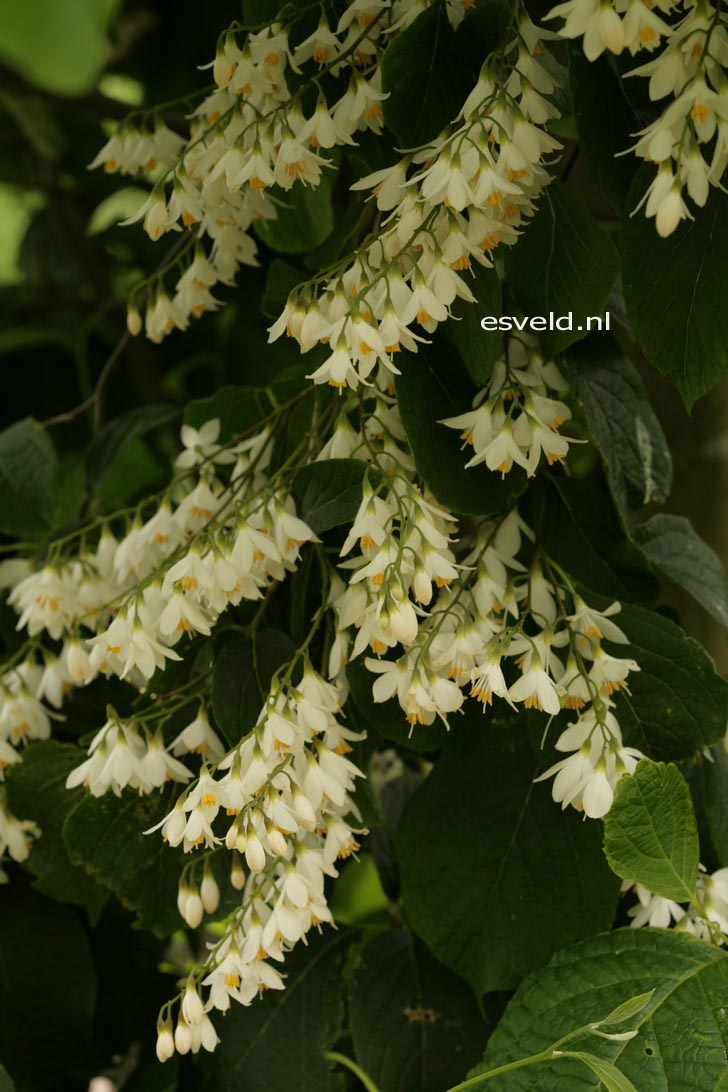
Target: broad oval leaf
(415, 1025)
(241, 680)
(630, 439)
(673, 545)
(28, 466)
(674, 290)
(650, 833)
(478, 348)
(682, 1035)
(507, 876)
(329, 493)
(564, 263)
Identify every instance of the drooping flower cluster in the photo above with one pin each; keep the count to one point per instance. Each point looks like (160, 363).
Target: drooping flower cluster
(711, 895)
(123, 607)
(515, 419)
(448, 205)
(689, 139)
(263, 126)
(280, 800)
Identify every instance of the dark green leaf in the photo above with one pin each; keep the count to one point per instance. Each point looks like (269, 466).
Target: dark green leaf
(678, 703)
(277, 1043)
(579, 528)
(483, 30)
(650, 833)
(237, 408)
(36, 789)
(563, 263)
(280, 281)
(433, 385)
(507, 876)
(305, 217)
(106, 837)
(478, 348)
(629, 437)
(328, 494)
(414, 1024)
(423, 78)
(27, 478)
(47, 992)
(6, 1085)
(715, 800)
(605, 122)
(683, 1031)
(674, 290)
(109, 441)
(673, 546)
(241, 680)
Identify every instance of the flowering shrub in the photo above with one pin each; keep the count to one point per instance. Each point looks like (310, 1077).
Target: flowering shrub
(350, 705)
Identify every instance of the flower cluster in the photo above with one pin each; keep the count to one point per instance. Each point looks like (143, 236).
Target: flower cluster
(689, 139)
(251, 134)
(447, 205)
(280, 800)
(711, 896)
(515, 419)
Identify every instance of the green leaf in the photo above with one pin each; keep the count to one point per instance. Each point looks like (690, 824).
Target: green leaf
(478, 348)
(107, 444)
(47, 992)
(133, 472)
(674, 290)
(280, 281)
(6, 1085)
(629, 437)
(483, 29)
(497, 862)
(650, 833)
(674, 547)
(305, 217)
(241, 679)
(387, 718)
(414, 1024)
(61, 48)
(106, 837)
(678, 703)
(605, 123)
(358, 897)
(237, 409)
(627, 1009)
(715, 800)
(27, 477)
(277, 1044)
(682, 1033)
(423, 78)
(563, 263)
(36, 789)
(579, 528)
(608, 1074)
(328, 494)
(433, 385)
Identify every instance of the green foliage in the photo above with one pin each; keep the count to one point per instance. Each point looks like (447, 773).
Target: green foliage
(36, 789)
(278, 1043)
(105, 837)
(682, 1031)
(673, 289)
(605, 122)
(305, 217)
(329, 493)
(241, 679)
(650, 833)
(477, 348)
(45, 1033)
(624, 426)
(564, 263)
(678, 703)
(27, 479)
(674, 547)
(424, 81)
(498, 861)
(415, 1026)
